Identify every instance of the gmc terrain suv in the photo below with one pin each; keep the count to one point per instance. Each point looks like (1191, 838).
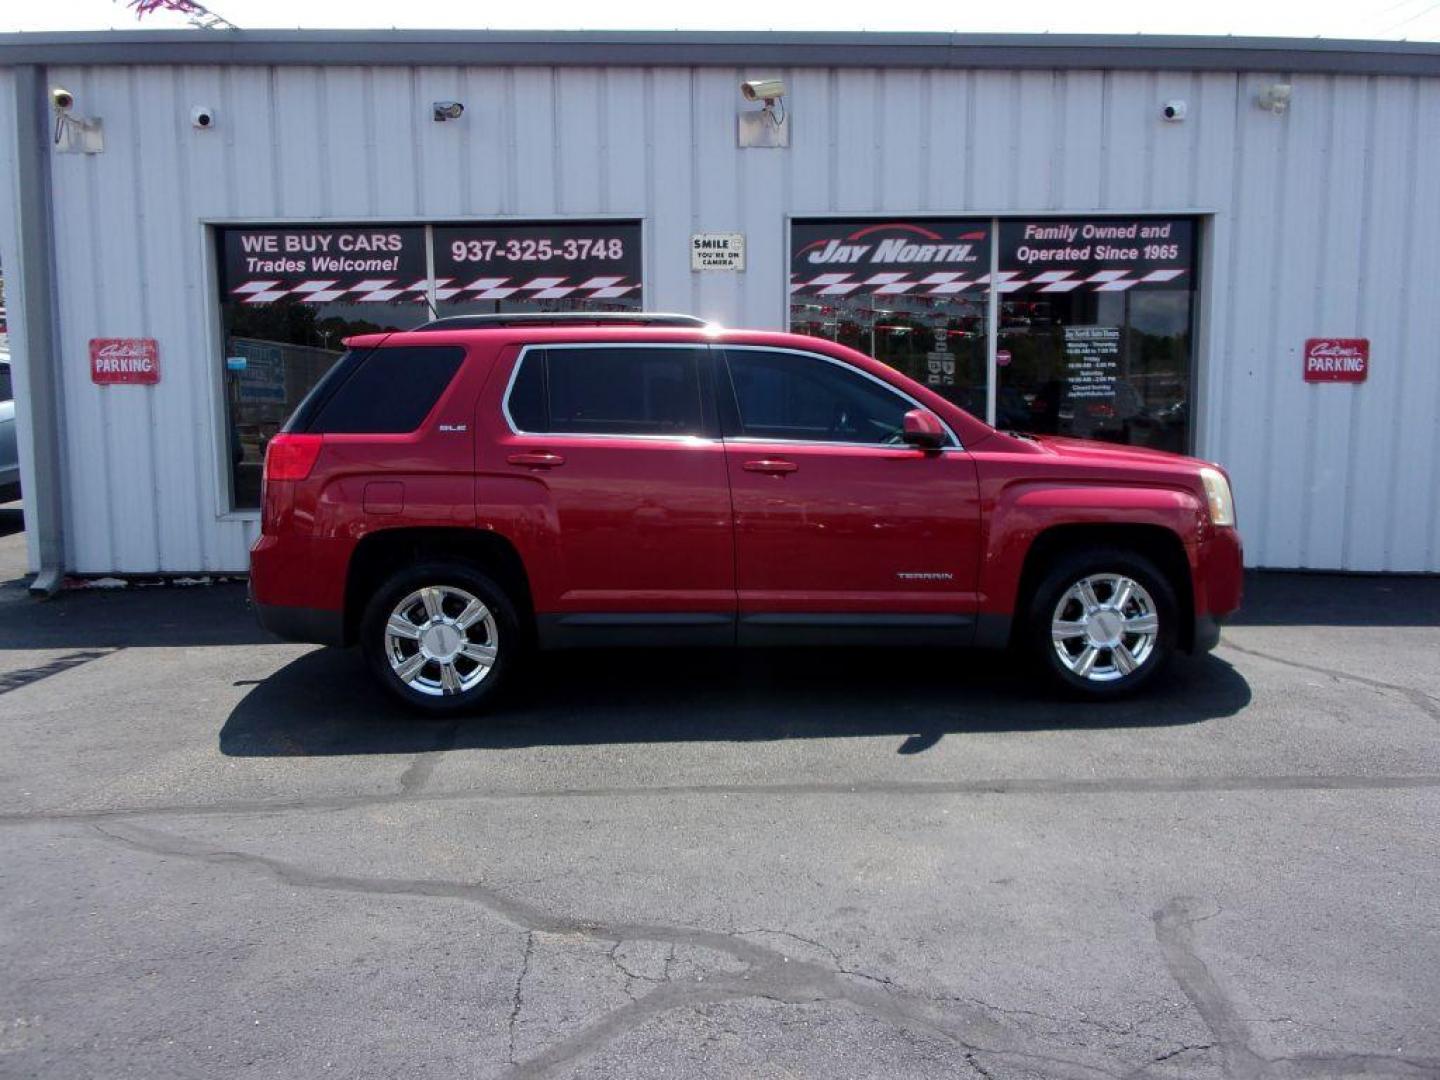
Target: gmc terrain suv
(452, 497)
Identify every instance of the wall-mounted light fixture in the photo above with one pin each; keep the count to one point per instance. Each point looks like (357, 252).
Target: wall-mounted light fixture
(1274, 98)
(447, 110)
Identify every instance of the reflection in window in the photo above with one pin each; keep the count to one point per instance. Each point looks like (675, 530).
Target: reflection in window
(1113, 366)
(274, 354)
(608, 391)
(937, 341)
(794, 397)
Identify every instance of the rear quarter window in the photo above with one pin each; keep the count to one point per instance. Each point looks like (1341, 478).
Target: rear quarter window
(380, 392)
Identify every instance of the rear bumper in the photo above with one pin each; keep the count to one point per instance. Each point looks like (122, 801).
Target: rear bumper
(292, 595)
(310, 625)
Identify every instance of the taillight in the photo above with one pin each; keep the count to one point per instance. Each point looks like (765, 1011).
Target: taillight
(291, 457)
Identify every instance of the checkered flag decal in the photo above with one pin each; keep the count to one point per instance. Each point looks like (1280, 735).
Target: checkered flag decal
(384, 290)
(892, 283)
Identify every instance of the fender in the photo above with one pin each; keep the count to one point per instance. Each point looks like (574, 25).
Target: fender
(1022, 510)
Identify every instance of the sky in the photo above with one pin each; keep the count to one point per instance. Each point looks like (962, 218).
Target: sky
(1417, 20)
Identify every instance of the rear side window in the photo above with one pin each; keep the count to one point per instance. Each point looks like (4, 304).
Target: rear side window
(379, 392)
(619, 390)
(6, 391)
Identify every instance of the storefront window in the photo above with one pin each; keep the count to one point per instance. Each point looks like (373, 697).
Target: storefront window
(1095, 329)
(291, 295)
(910, 293)
(1094, 315)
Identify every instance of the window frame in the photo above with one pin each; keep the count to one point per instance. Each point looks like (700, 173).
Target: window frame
(709, 424)
(723, 367)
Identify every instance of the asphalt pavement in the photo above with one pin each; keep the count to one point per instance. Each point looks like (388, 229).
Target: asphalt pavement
(222, 855)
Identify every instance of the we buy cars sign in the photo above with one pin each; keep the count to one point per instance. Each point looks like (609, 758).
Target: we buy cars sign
(124, 360)
(1337, 359)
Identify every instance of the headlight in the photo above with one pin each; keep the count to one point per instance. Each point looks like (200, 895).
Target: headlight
(1217, 494)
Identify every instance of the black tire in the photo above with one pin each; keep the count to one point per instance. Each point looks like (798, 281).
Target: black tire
(500, 629)
(1109, 679)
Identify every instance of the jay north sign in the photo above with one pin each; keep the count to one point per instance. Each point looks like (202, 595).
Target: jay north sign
(836, 258)
(942, 258)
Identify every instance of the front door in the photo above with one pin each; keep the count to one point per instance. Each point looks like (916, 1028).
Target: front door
(840, 527)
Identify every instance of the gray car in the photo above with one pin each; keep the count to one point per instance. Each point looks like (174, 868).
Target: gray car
(9, 459)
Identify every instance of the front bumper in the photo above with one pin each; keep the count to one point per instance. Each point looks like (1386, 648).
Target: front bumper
(1219, 583)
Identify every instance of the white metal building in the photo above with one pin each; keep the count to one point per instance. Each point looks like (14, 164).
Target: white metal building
(1296, 195)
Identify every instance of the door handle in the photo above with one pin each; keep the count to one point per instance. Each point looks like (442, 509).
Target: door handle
(536, 461)
(770, 465)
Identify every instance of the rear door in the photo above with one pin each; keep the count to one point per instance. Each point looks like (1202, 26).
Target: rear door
(623, 441)
(840, 526)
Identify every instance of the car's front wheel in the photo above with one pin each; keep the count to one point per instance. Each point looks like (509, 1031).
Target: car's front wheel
(1102, 622)
(441, 637)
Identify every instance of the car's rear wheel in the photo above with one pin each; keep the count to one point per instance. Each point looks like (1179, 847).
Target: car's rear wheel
(1102, 622)
(441, 637)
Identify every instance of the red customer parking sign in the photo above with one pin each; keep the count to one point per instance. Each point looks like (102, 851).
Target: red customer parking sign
(124, 360)
(1337, 359)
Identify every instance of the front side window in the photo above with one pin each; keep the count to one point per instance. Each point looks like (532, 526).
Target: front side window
(796, 397)
(610, 390)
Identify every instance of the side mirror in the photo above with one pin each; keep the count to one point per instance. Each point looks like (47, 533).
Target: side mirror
(923, 429)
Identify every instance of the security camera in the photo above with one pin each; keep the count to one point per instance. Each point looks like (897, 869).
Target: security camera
(62, 99)
(763, 89)
(202, 117)
(1174, 111)
(447, 110)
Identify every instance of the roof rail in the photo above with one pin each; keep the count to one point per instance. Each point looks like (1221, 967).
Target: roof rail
(563, 318)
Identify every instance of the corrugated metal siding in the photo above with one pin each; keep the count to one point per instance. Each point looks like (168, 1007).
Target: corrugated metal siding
(1325, 223)
(9, 245)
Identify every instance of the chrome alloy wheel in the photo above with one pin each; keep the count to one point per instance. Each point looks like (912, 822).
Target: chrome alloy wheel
(1104, 627)
(441, 640)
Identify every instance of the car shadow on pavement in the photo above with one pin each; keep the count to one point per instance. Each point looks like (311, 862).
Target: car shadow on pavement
(325, 703)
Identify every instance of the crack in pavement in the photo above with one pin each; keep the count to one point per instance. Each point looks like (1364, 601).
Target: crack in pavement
(1131, 1029)
(519, 998)
(1175, 933)
(1426, 703)
(1080, 786)
(767, 974)
(1162, 1058)
(985, 1073)
(417, 774)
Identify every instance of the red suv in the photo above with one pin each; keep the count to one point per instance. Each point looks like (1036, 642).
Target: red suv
(452, 497)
